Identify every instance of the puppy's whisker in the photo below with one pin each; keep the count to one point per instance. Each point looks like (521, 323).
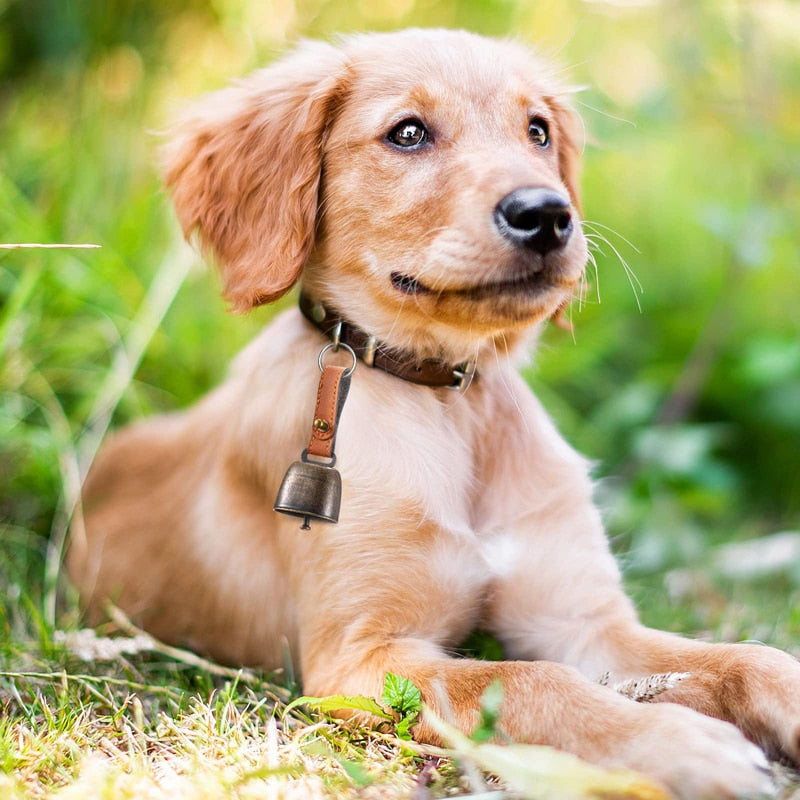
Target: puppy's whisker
(633, 280)
(593, 261)
(571, 325)
(595, 225)
(596, 236)
(606, 114)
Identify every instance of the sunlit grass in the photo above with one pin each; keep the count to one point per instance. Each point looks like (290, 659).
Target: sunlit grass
(81, 737)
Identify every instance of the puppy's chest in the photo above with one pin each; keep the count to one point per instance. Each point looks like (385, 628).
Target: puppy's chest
(409, 449)
(410, 466)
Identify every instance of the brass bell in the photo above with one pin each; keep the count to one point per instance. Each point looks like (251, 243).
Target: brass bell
(310, 490)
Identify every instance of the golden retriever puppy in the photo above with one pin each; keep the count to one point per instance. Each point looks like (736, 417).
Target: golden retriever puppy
(422, 186)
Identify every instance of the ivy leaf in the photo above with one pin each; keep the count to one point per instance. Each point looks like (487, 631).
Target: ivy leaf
(401, 695)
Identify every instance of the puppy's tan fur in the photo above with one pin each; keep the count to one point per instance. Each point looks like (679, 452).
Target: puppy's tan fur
(459, 510)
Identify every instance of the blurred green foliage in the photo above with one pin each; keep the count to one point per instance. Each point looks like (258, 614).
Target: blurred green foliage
(684, 381)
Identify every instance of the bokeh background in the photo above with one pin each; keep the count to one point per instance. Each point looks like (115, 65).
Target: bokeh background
(682, 377)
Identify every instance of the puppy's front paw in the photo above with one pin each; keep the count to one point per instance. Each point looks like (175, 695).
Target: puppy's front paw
(762, 693)
(757, 688)
(699, 758)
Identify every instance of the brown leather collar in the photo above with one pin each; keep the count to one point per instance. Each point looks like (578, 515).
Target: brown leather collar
(428, 372)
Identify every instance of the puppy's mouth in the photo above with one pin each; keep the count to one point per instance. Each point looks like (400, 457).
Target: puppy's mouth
(524, 283)
(408, 285)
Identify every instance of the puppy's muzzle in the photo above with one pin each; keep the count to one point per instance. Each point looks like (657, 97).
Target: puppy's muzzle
(535, 218)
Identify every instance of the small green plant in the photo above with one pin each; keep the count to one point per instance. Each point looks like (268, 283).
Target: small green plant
(399, 694)
(403, 697)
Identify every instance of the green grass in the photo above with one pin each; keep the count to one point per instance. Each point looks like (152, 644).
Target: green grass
(76, 734)
(163, 723)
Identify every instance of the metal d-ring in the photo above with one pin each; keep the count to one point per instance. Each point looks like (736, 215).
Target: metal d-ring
(331, 346)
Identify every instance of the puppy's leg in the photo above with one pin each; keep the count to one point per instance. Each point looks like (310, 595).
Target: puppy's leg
(550, 704)
(753, 686)
(573, 610)
(406, 595)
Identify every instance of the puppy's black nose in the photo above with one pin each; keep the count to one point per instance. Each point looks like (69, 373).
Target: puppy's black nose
(536, 218)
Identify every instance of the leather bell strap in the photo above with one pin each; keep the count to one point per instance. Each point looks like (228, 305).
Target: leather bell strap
(334, 384)
(428, 372)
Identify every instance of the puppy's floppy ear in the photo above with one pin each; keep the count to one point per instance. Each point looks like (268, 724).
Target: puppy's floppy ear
(244, 170)
(569, 136)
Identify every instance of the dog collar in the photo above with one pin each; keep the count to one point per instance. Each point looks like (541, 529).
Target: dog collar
(428, 372)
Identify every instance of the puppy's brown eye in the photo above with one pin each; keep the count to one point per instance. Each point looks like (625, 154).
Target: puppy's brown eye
(539, 132)
(409, 133)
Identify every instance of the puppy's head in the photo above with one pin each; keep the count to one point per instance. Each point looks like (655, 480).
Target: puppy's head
(424, 182)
